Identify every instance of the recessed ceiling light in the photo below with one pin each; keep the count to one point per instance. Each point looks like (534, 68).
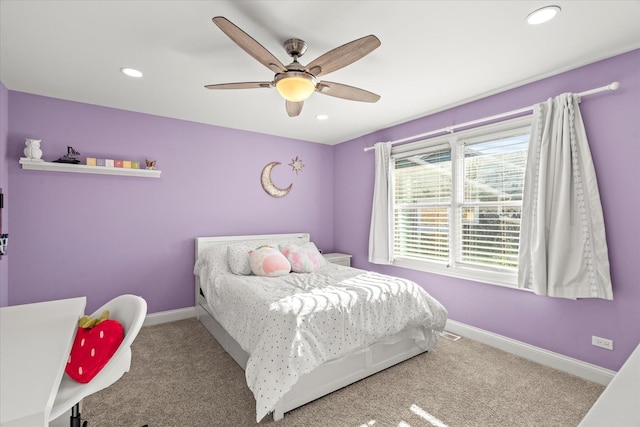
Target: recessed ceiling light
(322, 117)
(542, 15)
(131, 72)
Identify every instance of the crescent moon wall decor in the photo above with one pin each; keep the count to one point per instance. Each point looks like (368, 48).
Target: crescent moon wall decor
(269, 186)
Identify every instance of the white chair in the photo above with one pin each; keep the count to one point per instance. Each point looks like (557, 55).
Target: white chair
(130, 311)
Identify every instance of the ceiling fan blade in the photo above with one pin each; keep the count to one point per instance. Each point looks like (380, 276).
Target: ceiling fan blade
(346, 92)
(243, 85)
(252, 47)
(294, 108)
(344, 55)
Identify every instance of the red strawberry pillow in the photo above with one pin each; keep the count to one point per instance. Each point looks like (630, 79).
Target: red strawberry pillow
(92, 348)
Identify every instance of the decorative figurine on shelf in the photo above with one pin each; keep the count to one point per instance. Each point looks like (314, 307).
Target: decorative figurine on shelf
(69, 157)
(32, 150)
(151, 164)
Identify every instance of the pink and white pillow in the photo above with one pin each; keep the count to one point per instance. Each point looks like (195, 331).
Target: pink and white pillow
(304, 258)
(268, 261)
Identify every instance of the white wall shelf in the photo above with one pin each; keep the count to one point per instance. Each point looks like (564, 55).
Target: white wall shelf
(78, 168)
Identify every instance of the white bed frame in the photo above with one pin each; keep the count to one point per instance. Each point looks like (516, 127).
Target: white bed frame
(326, 378)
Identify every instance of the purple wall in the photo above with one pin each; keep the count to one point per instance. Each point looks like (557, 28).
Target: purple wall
(563, 326)
(101, 235)
(4, 184)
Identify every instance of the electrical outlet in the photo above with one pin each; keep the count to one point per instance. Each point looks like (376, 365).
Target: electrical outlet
(602, 342)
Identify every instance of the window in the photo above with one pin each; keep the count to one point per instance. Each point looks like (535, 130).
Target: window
(457, 202)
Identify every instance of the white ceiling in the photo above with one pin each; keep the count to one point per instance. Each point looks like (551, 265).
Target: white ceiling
(434, 55)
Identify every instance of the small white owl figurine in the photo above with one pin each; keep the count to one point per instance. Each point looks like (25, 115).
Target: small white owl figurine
(32, 150)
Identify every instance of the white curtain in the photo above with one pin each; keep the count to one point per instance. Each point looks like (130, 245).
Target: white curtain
(379, 234)
(563, 249)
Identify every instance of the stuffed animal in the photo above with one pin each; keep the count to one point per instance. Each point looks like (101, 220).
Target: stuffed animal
(97, 339)
(268, 261)
(89, 322)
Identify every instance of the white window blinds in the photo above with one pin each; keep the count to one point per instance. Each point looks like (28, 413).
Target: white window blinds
(422, 205)
(491, 208)
(457, 205)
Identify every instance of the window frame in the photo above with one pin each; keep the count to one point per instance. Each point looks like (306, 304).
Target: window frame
(457, 141)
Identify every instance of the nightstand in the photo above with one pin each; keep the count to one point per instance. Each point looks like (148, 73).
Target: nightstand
(338, 258)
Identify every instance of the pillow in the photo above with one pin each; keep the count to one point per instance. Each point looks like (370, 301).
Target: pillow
(212, 260)
(268, 261)
(238, 259)
(304, 258)
(92, 349)
(238, 253)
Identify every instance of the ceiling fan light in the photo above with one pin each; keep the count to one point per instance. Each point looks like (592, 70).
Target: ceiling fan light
(295, 86)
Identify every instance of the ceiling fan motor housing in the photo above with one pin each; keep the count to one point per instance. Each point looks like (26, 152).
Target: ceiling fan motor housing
(295, 47)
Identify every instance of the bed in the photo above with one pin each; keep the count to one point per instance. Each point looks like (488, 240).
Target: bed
(303, 335)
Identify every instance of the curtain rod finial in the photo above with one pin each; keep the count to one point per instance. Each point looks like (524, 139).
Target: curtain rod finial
(614, 86)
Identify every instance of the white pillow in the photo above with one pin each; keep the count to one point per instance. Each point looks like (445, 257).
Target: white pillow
(238, 258)
(212, 260)
(268, 261)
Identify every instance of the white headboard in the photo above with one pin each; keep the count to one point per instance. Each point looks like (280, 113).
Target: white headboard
(203, 243)
(206, 242)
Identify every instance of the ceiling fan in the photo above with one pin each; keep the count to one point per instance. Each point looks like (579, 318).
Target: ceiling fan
(296, 82)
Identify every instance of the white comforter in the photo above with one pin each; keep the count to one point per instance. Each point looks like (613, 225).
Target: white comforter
(290, 325)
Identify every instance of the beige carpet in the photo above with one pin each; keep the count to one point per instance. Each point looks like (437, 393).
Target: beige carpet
(180, 376)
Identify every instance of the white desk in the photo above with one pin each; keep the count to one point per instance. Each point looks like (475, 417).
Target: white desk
(35, 342)
(619, 403)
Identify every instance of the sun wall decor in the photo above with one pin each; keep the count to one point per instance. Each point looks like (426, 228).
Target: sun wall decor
(296, 165)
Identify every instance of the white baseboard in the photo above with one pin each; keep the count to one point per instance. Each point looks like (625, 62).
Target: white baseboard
(169, 316)
(572, 366)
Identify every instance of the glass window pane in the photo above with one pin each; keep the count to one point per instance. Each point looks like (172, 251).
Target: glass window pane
(423, 178)
(491, 235)
(494, 170)
(422, 185)
(422, 233)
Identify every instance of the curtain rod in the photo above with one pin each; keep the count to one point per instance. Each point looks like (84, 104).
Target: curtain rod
(452, 128)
